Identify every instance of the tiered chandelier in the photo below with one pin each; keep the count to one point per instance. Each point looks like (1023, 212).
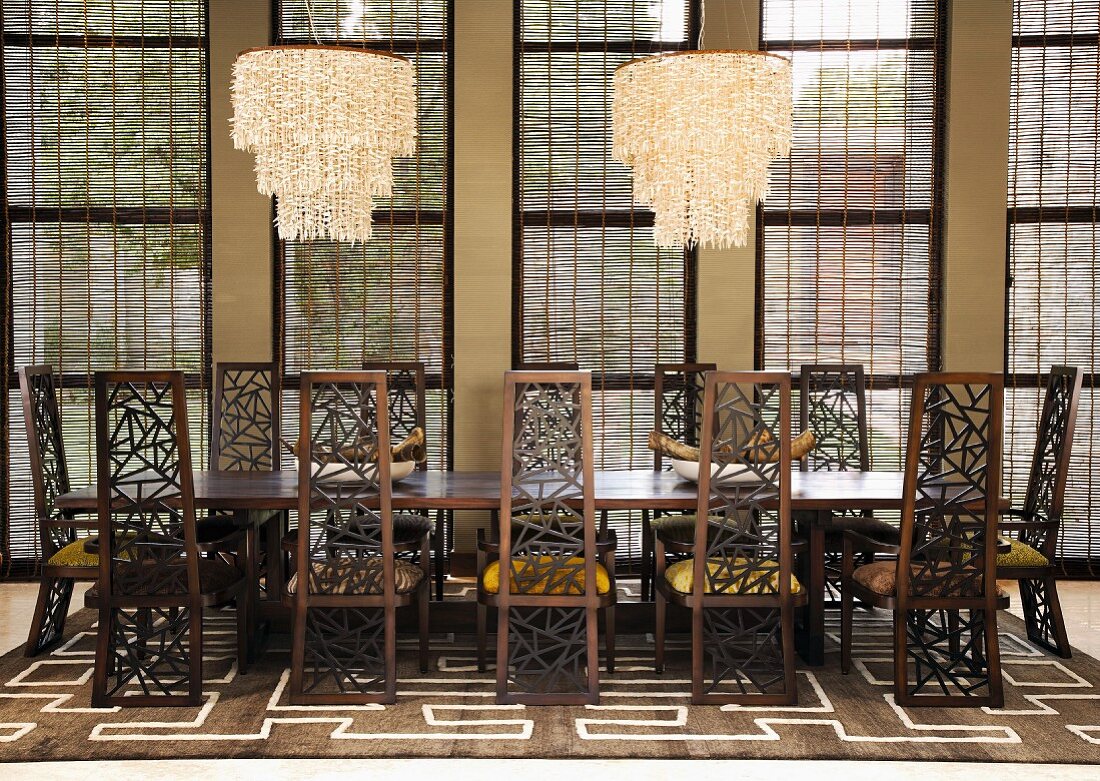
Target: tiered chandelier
(699, 129)
(324, 123)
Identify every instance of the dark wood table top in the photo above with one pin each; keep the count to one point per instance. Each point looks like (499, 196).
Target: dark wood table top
(615, 490)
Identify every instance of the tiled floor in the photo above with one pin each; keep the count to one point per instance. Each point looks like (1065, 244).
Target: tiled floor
(1080, 601)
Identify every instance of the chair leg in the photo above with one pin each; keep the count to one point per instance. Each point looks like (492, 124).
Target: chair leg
(1043, 615)
(422, 623)
(50, 611)
(647, 557)
(954, 643)
(244, 628)
(847, 567)
(440, 552)
(482, 618)
(659, 608)
(609, 637)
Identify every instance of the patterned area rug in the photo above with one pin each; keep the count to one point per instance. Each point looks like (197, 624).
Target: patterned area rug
(1051, 714)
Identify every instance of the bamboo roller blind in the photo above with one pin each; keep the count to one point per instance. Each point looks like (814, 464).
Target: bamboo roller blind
(589, 286)
(1053, 266)
(849, 251)
(106, 217)
(390, 299)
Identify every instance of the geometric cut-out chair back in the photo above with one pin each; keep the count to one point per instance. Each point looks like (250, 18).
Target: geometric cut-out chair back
(678, 402)
(246, 418)
(833, 405)
(547, 625)
(742, 588)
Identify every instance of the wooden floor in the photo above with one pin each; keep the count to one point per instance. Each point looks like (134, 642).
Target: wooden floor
(1080, 600)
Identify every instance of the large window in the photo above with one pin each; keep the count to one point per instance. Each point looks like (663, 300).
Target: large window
(1053, 264)
(106, 216)
(590, 287)
(340, 304)
(849, 264)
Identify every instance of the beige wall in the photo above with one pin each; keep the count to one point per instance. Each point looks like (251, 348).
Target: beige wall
(483, 234)
(726, 333)
(979, 59)
(974, 225)
(241, 217)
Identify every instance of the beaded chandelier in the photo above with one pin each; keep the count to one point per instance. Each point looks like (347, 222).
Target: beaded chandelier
(699, 129)
(324, 123)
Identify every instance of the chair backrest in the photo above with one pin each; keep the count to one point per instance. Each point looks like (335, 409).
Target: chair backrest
(245, 432)
(344, 488)
(548, 366)
(548, 490)
(832, 403)
(145, 492)
(1046, 485)
(952, 488)
(548, 539)
(745, 485)
(42, 417)
(406, 389)
(678, 402)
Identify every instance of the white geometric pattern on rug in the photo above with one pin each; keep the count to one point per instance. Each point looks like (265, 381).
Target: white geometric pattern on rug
(460, 707)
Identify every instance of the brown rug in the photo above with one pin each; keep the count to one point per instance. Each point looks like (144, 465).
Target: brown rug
(1051, 714)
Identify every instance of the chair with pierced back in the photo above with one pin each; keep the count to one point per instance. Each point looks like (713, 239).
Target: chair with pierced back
(244, 437)
(942, 586)
(678, 412)
(63, 555)
(153, 583)
(557, 571)
(348, 582)
(1033, 529)
(833, 405)
(407, 390)
(737, 575)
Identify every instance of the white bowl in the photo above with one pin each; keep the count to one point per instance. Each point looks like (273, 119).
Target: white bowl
(338, 472)
(689, 470)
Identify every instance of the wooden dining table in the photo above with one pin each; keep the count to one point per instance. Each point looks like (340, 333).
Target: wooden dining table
(821, 492)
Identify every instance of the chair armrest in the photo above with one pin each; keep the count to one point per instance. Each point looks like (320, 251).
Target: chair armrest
(865, 544)
(289, 542)
(607, 543)
(227, 544)
(800, 546)
(485, 545)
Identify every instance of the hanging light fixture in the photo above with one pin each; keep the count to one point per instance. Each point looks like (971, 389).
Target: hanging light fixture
(324, 123)
(699, 129)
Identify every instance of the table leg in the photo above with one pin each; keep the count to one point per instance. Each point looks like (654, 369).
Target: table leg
(440, 548)
(811, 640)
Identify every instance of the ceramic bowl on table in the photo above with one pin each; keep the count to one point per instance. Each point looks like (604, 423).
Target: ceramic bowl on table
(689, 470)
(338, 472)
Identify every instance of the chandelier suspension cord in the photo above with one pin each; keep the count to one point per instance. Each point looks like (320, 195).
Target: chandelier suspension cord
(312, 29)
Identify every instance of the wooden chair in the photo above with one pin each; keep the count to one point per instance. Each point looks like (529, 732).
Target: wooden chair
(559, 572)
(407, 391)
(678, 412)
(244, 437)
(153, 583)
(833, 404)
(738, 579)
(1033, 529)
(63, 556)
(344, 635)
(942, 588)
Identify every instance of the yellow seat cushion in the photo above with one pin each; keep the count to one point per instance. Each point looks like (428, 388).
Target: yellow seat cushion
(681, 576)
(1022, 555)
(547, 581)
(74, 555)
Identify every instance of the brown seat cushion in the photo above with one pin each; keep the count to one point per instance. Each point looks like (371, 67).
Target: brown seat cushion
(867, 525)
(359, 576)
(214, 575)
(880, 577)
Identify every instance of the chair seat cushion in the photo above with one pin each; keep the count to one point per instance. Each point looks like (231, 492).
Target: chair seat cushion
(74, 555)
(547, 577)
(752, 577)
(881, 577)
(359, 577)
(214, 575)
(1022, 555)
